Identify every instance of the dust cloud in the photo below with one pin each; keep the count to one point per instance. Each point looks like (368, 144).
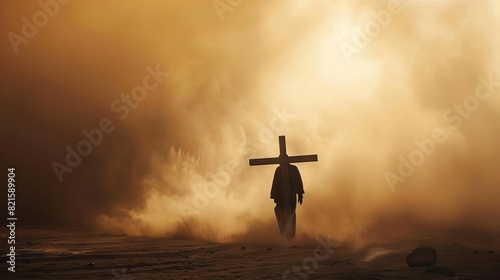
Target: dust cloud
(364, 85)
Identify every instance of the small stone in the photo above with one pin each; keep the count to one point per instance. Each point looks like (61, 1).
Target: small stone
(243, 248)
(491, 252)
(422, 256)
(268, 249)
(90, 265)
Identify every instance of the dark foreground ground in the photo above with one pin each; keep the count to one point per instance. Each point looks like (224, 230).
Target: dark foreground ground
(73, 254)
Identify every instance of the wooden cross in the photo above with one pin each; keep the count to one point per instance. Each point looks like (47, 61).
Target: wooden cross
(284, 160)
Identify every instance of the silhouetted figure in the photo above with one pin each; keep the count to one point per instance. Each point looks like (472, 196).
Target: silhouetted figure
(286, 185)
(296, 188)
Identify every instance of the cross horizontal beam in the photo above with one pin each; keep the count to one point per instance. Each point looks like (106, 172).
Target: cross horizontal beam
(305, 158)
(283, 160)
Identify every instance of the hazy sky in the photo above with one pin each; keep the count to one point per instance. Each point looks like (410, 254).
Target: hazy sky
(400, 100)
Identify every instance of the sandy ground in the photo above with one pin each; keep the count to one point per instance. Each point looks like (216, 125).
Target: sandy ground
(73, 254)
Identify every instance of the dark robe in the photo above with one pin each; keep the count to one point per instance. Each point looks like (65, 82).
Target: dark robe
(296, 188)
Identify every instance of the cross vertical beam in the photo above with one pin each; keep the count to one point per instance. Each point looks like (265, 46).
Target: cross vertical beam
(282, 145)
(285, 183)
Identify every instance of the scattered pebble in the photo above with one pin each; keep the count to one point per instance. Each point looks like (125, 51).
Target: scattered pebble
(268, 249)
(243, 248)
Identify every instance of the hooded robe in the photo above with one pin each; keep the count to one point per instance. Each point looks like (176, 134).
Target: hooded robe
(296, 188)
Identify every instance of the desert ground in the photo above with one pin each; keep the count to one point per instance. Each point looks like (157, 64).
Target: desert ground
(76, 254)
